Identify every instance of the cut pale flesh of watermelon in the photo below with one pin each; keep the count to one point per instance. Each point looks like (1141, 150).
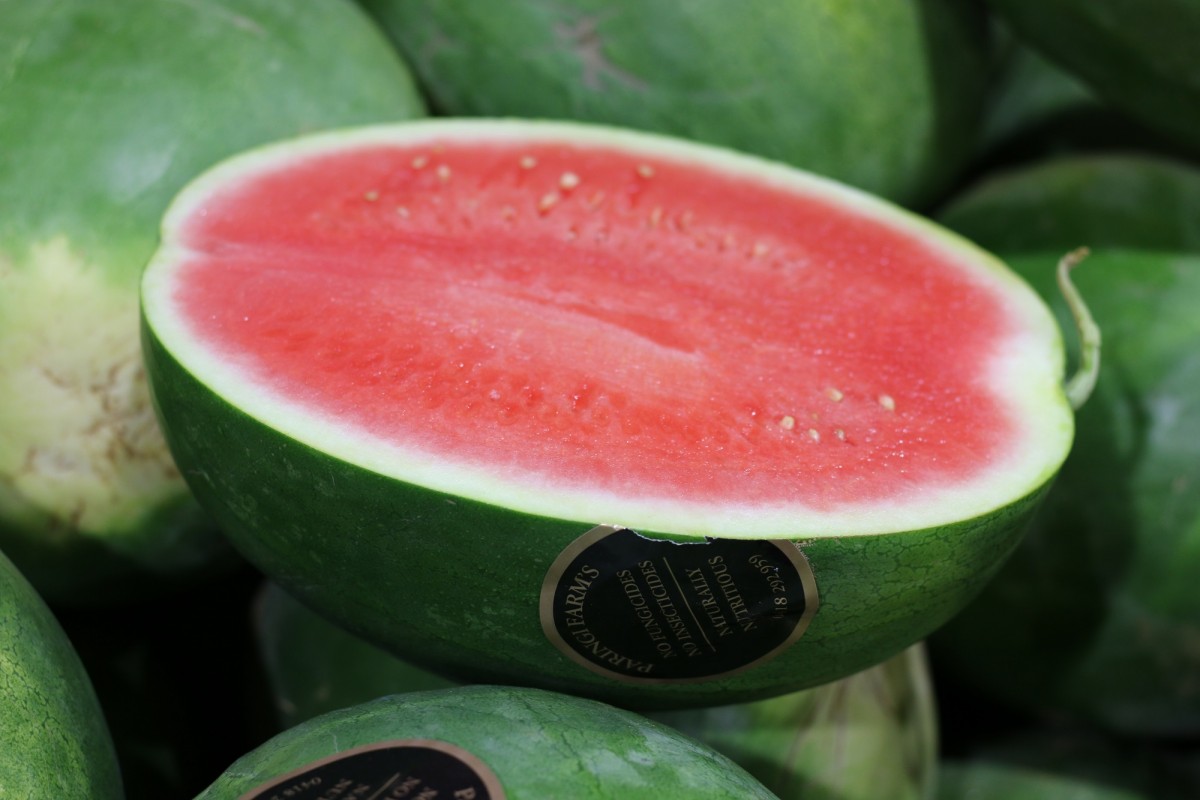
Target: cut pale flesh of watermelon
(613, 328)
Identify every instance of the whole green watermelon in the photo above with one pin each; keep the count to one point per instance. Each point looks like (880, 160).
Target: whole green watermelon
(882, 95)
(1097, 614)
(54, 742)
(108, 109)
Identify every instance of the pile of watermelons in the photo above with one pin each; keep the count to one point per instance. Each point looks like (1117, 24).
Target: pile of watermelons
(151, 647)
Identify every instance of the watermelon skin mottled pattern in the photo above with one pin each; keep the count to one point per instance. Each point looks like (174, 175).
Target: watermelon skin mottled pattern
(885, 96)
(1097, 614)
(107, 111)
(539, 745)
(54, 742)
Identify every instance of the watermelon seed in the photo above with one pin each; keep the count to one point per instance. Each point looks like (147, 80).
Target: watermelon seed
(402, 211)
(443, 173)
(645, 170)
(814, 434)
(840, 434)
(787, 423)
(371, 196)
(419, 162)
(568, 181)
(656, 216)
(760, 250)
(547, 202)
(528, 162)
(834, 395)
(887, 402)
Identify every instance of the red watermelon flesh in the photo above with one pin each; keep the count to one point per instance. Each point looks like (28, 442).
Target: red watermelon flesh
(562, 323)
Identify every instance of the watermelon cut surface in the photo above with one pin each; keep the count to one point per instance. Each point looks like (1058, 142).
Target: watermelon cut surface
(613, 334)
(486, 338)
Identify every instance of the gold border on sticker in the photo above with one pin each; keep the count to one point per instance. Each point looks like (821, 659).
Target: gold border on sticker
(790, 549)
(490, 782)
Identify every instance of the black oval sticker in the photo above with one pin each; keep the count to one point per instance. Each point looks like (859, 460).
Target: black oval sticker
(411, 769)
(652, 610)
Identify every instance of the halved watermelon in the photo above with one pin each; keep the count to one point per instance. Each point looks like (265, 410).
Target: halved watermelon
(600, 410)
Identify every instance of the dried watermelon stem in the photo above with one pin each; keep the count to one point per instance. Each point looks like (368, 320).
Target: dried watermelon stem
(1079, 386)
